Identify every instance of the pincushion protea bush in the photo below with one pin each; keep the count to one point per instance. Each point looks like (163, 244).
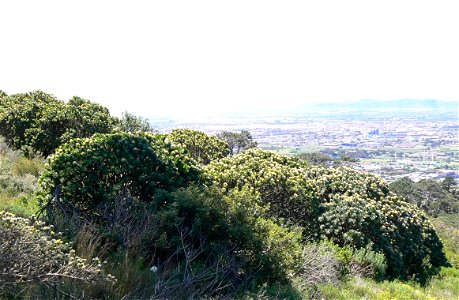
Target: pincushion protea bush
(345, 206)
(94, 170)
(200, 146)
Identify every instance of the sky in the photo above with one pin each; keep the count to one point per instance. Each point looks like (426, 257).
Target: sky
(177, 58)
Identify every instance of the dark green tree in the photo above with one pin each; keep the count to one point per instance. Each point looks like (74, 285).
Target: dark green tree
(18, 114)
(318, 159)
(37, 122)
(238, 142)
(449, 184)
(132, 123)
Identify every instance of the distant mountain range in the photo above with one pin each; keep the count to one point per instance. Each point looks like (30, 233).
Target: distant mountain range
(404, 107)
(393, 105)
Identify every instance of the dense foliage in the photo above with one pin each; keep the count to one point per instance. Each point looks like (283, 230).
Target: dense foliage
(343, 205)
(18, 113)
(94, 170)
(279, 180)
(231, 224)
(201, 147)
(129, 185)
(132, 123)
(238, 142)
(38, 122)
(432, 196)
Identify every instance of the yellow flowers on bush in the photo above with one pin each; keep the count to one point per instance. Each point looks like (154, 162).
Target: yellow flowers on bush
(94, 170)
(30, 255)
(349, 208)
(201, 147)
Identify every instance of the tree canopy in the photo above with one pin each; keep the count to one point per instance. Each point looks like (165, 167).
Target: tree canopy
(238, 142)
(37, 122)
(430, 195)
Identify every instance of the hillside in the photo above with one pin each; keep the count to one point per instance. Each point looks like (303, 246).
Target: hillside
(114, 210)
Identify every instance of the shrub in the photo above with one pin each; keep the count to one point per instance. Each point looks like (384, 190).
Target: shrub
(37, 122)
(202, 148)
(94, 170)
(215, 222)
(18, 114)
(359, 210)
(279, 181)
(31, 255)
(321, 264)
(349, 208)
(368, 263)
(199, 242)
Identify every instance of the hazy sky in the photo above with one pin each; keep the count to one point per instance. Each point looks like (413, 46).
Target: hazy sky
(182, 57)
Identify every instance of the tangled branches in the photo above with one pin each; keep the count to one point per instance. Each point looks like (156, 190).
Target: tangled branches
(31, 254)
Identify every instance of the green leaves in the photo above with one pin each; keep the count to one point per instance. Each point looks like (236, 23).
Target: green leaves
(37, 122)
(348, 207)
(201, 147)
(238, 142)
(94, 170)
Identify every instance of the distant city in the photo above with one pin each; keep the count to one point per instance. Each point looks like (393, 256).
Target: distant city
(417, 139)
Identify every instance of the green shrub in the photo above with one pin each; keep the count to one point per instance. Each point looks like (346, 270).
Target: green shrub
(348, 207)
(202, 148)
(234, 221)
(60, 122)
(368, 263)
(278, 180)
(37, 122)
(359, 210)
(200, 243)
(18, 114)
(94, 170)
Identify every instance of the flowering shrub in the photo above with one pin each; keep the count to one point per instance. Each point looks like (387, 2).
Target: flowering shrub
(359, 210)
(278, 180)
(345, 206)
(31, 254)
(202, 148)
(94, 170)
